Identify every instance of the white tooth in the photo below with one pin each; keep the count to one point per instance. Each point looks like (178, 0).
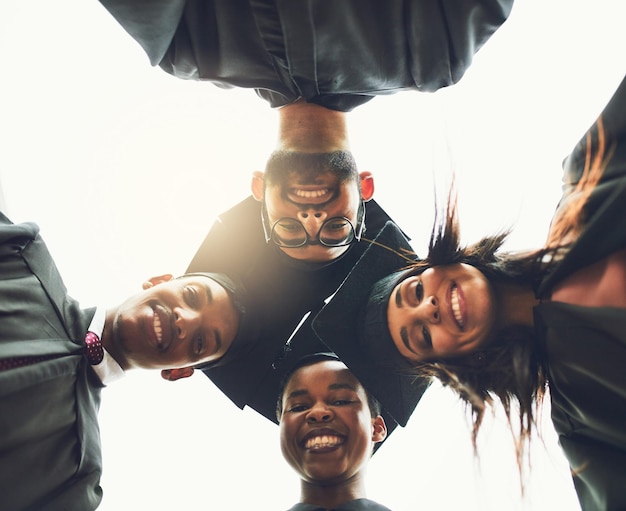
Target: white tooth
(310, 193)
(456, 308)
(157, 327)
(323, 441)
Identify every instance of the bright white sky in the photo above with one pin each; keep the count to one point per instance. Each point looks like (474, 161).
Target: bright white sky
(125, 167)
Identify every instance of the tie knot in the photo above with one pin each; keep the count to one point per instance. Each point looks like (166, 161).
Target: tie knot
(93, 349)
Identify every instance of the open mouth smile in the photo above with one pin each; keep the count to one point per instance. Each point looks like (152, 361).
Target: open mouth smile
(159, 324)
(323, 442)
(309, 195)
(455, 306)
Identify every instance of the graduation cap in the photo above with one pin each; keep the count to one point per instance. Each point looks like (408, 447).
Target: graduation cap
(247, 331)
(303, 345)
(353, 324)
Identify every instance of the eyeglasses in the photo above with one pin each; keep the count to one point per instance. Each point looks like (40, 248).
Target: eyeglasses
(289, 232)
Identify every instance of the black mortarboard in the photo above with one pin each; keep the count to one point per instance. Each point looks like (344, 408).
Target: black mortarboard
(353, 324)
(247, 331)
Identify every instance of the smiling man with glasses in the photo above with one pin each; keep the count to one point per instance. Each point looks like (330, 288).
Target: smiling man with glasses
(312, 204)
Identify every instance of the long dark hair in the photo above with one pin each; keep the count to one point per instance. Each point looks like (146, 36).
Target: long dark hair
(511, 368)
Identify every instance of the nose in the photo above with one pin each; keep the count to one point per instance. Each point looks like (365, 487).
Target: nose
(185, 321)
(319, 413)
(312, 221)
(428, 310)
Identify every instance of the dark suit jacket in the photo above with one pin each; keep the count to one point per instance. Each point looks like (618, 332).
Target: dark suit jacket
(49, 437)
(336, 54)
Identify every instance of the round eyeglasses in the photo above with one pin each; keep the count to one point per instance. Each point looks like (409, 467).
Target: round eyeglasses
(289, 232)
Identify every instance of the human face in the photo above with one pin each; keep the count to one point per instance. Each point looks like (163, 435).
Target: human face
(312, 188)
(172, 323)
(445, 311)
(326, 430)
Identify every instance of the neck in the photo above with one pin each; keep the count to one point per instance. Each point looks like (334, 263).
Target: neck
(108, 336)
(515, 304)
(332, 495)
(309, 128)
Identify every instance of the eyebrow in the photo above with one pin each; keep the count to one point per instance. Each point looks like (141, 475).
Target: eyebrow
(405, 337)
(209, 293)
(332, 386)
(297, 393)
(218, 340)
(404, 334)
(216, 333)
(339, 386)
(405, 340)
(398, 297)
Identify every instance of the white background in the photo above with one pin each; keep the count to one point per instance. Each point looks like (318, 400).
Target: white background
(125, 167)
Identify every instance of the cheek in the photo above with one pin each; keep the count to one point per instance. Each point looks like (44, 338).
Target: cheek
(490, 302)
(486, 310)
(288, 443)
(363, 444)
(274, 204)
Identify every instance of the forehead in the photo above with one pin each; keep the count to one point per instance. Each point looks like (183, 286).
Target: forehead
(320, 376)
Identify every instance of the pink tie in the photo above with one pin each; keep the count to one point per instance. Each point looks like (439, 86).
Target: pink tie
(93, 351)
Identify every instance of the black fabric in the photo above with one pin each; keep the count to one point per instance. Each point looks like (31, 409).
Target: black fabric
(353, 505)
(283, 290)
(335, 54)
(586, 346)
(374, 360)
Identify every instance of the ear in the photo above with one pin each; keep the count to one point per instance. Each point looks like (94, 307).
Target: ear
(258, 185)
(379, 429)
(176, 374)
(156, 280)
(367, 185)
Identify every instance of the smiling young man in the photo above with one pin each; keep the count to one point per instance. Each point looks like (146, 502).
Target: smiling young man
(173, 325)
(329, 425)
(55, 358)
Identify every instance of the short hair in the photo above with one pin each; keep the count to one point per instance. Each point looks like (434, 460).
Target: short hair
(315, 358)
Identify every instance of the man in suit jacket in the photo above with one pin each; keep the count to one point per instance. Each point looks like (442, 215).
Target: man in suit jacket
(50, 393)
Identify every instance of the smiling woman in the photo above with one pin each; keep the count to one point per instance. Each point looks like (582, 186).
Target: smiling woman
(329, 425)
(443, 312)
(494, 324)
